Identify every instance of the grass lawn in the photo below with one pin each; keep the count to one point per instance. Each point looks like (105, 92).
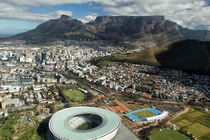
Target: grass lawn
(60, 107)
(166, 135)
(105, 63)
(31, 134)
(184, 122)
(195, 114)
(74, 95)
(207, 120)
(133, 107)
(25, 131)
(198, 130)
(84, 126)
(195, 122)
(144, 114)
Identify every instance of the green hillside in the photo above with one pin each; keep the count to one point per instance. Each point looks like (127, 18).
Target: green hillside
(189, 55)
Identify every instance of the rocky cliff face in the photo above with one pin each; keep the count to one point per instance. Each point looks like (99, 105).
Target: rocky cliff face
(118, 29)
(126, 28)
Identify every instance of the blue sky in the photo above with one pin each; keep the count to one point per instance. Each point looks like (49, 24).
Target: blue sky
(8, 27)
(79, 11)
(18, 16)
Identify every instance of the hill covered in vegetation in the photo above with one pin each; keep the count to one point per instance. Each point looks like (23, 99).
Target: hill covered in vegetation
(189, 55)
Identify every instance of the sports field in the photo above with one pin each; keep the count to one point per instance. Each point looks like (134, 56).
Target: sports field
(140, 115)
(164, 134)
(144, 114)
(195, 122)
(84, 126)
(74, 95)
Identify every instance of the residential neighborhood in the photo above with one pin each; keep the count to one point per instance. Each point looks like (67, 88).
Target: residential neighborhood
(40, 81)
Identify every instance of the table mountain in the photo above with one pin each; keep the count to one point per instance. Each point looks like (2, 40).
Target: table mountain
(118, 29)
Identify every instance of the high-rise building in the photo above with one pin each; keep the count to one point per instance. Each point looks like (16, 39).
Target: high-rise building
(44, 56)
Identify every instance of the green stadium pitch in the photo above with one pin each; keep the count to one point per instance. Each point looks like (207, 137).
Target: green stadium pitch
(74, 95)
(144, 114)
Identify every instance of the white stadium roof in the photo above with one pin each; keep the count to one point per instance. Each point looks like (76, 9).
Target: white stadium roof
(62, 127)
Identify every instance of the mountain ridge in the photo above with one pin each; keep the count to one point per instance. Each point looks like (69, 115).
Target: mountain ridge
(131, 29)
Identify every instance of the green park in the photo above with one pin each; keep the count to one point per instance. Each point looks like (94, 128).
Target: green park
(73, 95)
(196, 122)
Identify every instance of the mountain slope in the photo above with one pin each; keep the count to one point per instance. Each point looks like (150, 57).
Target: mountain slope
(189, 55)
(119, 29)
(64, 28)
(133, 28)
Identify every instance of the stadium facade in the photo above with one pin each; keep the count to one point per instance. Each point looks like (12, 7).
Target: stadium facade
(159, 117)
(84, 123)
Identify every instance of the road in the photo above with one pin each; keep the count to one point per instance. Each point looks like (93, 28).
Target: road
(106, 95)
(180, 113)
(186, 109)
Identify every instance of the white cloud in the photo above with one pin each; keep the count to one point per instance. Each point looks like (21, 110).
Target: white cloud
(12, 11)
(88, 18)
(188, 13)
(60, 2)
(8, 11)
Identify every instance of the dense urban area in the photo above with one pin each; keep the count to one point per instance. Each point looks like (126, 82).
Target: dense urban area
(37, 81)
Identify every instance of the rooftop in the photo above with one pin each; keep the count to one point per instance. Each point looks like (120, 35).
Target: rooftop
(61, 123)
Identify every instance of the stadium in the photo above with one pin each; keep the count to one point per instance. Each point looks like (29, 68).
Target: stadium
(84, 123)
(147, 115)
